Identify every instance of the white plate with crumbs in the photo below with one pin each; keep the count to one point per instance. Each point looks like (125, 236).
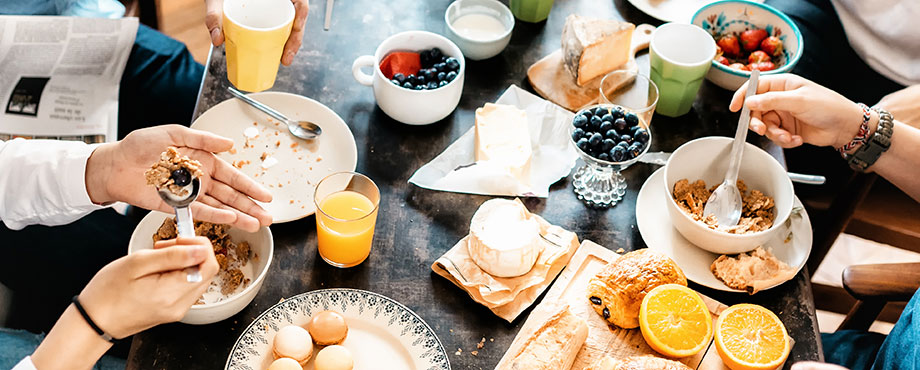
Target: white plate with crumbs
(670, 10)
(382, 333)
(287, 166)
(791, 246)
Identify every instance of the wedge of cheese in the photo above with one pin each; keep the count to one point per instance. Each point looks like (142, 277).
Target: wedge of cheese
(503, 138)
(553, 346)
(593, 47)
(504, 239)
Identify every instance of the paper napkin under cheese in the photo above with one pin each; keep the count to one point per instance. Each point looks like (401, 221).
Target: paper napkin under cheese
(456, 168)
(508, 297)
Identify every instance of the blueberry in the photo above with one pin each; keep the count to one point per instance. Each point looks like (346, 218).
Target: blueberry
(420, 80)
(632, 119)
(623, 145)
(181, 177)
(613, 135)
(582, 144)
(420, 87)
(618, 113)
(452, 64)
(427, 74)
(395, 82)
(595, 139)
(595, 122)
(442, 83)
(577, 134)
(604, 157)
(440, 67)
(609, 144)
(633, 130)
(451, 76)
(635, 150)
(425, 58)
(607, 118)
(642, 135)
(441, 76)
(600, 111)
(432, 85)
(618, 153)
(580, 121)
(626, 139)
(605, 126)
(411, 79)
(436, 54)
(408, 85)
(620, 124)
(400, 77)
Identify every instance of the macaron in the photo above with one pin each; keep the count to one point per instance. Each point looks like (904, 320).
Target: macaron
(328, 327)
(334, 357)
(285, 363)
(293, 342)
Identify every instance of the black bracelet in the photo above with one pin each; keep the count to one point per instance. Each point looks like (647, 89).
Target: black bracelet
(92, 324)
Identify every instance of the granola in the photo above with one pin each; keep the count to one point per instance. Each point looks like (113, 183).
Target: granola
(757, 212)
(160, 173)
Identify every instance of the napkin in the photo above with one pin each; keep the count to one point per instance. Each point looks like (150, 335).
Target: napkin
(456, 168)
(508, 297)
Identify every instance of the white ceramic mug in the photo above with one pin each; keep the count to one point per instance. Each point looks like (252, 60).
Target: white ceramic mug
(413, 107)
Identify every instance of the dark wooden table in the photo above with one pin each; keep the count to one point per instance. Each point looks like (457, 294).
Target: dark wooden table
(417, 225)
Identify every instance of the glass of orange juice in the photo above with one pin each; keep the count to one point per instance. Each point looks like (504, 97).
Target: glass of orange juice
(346, 212)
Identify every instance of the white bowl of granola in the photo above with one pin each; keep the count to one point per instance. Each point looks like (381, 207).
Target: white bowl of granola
(244, 258)
(767, 202)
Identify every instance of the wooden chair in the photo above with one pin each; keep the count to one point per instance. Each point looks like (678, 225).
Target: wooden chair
(874, 286)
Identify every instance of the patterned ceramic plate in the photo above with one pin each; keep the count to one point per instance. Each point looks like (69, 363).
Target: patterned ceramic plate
(382, 333)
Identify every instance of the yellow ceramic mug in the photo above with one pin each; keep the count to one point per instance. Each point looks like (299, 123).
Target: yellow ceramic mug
(255, 32)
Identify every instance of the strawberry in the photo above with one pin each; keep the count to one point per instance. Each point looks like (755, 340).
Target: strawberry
(723, 60)
(757, 57)
(751, 39)
(772, 46)
(718, 51)
(761, 66)
(738, 66)
(407, 63)
(729, 45)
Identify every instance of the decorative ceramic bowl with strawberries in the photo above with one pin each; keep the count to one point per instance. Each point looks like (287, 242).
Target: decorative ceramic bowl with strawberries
(749, 35)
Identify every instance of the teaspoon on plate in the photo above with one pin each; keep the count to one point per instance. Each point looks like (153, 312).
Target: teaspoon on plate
(303, 129)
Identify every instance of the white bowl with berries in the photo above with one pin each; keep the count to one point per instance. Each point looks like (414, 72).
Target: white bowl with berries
(749, 36)
(608, 138)
(417, 76)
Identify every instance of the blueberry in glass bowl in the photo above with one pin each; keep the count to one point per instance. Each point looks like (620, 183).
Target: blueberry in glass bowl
(608, 138)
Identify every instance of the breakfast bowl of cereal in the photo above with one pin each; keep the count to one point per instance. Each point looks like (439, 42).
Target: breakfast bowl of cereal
(698, 167)
(243, 257)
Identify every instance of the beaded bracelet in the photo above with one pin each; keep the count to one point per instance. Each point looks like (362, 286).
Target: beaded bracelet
(863, 135)
(92, 324)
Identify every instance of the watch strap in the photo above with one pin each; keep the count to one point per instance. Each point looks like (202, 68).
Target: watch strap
(871, 150)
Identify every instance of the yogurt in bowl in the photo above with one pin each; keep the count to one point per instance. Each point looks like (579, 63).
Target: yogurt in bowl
(480, 28)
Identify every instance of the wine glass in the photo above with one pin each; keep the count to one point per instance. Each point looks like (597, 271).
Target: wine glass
(599, 183)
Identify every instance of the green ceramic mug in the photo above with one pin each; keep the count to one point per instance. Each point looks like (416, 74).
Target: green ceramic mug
(532, 11)
(680, 55)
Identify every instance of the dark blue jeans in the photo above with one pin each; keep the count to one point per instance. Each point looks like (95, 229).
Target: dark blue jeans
(46, 266)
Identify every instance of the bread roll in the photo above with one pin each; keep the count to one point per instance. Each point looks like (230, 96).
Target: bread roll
(553, 346)
(616, 292)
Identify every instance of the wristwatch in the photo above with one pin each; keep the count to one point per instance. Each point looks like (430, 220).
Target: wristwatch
(868, 153)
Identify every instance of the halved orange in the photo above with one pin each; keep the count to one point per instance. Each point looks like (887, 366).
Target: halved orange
(674, 321)
(751, 337)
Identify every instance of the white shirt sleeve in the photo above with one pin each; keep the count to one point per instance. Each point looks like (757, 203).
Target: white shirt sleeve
(25, 364)
(43, 182)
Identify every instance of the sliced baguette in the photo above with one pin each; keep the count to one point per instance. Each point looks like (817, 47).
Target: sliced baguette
(553, 346)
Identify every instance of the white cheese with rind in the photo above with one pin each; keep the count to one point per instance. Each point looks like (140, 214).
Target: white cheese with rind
(504, 239)
(593, 47)
(503, 138)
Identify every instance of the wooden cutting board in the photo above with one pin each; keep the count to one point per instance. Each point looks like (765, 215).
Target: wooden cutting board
(553, 82)
(603, 340)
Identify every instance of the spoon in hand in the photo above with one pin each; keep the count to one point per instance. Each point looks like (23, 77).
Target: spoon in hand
(184, 224)
(725, 201)
(303, 129)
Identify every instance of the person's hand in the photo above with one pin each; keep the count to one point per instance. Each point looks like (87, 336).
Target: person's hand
(149, 287)
(904, 105)
(816, 366)
(115, 172)
(215, 16)
(791, 110)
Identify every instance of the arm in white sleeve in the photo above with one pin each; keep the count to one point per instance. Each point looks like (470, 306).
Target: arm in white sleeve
(43, 182)
(25, 364)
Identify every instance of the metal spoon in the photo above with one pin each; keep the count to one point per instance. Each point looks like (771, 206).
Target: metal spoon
(184, 224)
(725, 201)
(303, 129)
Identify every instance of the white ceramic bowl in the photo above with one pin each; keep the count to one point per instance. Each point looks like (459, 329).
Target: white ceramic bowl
(479, 49)
(413, 107)
(707, 159)
(731, 16)
(261, 243)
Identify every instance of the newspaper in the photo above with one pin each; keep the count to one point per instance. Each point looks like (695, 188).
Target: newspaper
(59, 76)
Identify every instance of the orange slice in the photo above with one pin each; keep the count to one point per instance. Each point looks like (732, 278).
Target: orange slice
(674, 321)
(750, 337)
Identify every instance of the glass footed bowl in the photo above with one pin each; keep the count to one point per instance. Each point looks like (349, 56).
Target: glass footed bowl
(598, 183)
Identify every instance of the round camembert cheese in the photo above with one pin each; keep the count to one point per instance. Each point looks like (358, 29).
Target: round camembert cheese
(504, 241)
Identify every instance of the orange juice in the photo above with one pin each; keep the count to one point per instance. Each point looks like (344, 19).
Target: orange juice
(345, 228)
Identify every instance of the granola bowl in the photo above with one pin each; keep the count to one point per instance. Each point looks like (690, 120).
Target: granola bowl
(261, 247)
(707, 159)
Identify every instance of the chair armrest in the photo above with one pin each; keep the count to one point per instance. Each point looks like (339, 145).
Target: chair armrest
(884, 282)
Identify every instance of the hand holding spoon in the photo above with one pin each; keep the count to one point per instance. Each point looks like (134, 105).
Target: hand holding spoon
(303, 129)
(184, 224)
(725, 202)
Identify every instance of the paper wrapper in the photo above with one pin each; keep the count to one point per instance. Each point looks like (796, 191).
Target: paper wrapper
(508, 297)
(553, 157)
